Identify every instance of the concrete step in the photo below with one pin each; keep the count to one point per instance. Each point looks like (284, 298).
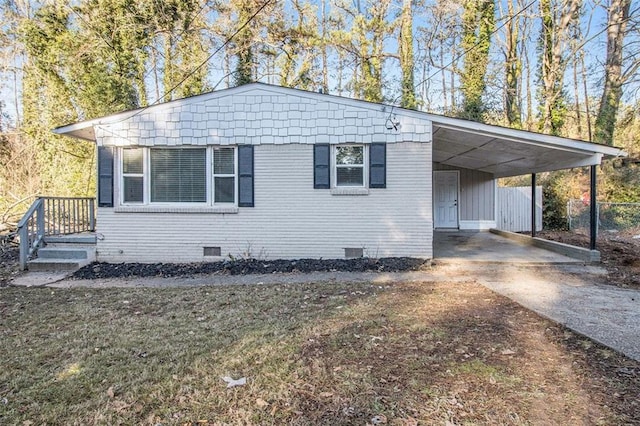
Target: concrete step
(83, 239)
(62, 253)
(50, 265)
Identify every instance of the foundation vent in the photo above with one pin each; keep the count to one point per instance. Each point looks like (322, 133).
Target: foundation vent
(352, 253)
(212, 251)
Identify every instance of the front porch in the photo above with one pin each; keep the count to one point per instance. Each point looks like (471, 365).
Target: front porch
(58, 234)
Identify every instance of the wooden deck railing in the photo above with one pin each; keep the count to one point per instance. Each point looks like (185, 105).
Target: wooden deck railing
(53, 216)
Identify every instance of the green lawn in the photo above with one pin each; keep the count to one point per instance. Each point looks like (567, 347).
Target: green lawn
(402, 354)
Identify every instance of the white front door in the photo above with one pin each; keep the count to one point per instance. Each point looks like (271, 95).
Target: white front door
(445, 203)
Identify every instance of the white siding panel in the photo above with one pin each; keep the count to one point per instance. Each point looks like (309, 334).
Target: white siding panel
(290, 218)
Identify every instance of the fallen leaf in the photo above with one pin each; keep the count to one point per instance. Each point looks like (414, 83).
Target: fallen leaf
(348, 411)
(379, 419)
(507, 352)
(110, 392)
(326, 394)
(120, 406)
(261, 403)
(409, 421)
(232, 383)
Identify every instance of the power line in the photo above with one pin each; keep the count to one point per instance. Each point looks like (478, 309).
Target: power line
(193, 18)
(511, 18)
(521, 11)
(397, 98)
(203, 63)
(99, 34)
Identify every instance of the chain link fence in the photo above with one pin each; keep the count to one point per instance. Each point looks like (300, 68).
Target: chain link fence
(611, 216)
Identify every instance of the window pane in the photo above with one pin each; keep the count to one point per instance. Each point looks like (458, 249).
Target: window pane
(132, 161)
(178, 175)
(350, 176)
(223, 163)
(132, 189)
(349, 154)
(224, 189)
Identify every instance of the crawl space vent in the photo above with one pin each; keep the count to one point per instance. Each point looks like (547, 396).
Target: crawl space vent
(212, 251)
(352, 253)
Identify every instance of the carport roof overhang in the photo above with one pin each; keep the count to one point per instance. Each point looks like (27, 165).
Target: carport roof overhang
(504, 152)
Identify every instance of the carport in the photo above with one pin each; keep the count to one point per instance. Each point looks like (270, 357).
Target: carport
(502, 152)
(489, 248)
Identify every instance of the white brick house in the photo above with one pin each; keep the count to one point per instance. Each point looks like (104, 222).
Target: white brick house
(281, 173)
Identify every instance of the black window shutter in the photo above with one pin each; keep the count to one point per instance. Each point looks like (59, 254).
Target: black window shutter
(321, 169)
(105, 176)
(245, 176)
(378, 165)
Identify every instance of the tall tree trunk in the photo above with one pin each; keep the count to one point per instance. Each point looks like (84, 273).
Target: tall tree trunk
(405, 47)
(478, 23)
(613, 79)
(324, 47)
(169, 77)
(587, 101)
(513, 69)
(445, 95)
(552, 43)
(244, 46)
(156, 78)
(576, 97)
(452, 72)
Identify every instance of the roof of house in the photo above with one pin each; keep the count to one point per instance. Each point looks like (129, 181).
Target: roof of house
(497, 150)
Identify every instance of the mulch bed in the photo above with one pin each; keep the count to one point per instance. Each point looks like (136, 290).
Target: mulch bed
(249, 266)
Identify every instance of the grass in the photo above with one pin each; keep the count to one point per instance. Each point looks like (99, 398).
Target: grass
(409, 353)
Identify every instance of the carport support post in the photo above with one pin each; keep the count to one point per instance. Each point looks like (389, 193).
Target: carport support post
(533, 205)
(593, 217)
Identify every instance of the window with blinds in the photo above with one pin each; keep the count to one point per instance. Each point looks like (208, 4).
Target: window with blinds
(178, 175)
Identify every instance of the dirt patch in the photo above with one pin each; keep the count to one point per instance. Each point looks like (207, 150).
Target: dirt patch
(620, 253)
(9, 266)
(324, 354)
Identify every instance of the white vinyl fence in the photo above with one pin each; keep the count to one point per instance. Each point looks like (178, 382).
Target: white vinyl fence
(514, 209)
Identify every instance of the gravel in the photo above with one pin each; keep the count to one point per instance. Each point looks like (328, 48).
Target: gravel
(249, 266)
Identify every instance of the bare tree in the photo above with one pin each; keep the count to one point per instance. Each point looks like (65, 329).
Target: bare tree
(554, 42)
(618, 16)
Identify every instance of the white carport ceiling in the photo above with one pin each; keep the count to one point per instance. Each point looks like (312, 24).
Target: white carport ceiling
(506, 152)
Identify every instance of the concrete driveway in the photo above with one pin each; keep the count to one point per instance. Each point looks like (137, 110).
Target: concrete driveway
(573, 295)
(487, 247)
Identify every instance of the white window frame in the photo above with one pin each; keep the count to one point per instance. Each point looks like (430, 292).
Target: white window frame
(146, 204)
(213, 176)
(144, 177)
(335, 166)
